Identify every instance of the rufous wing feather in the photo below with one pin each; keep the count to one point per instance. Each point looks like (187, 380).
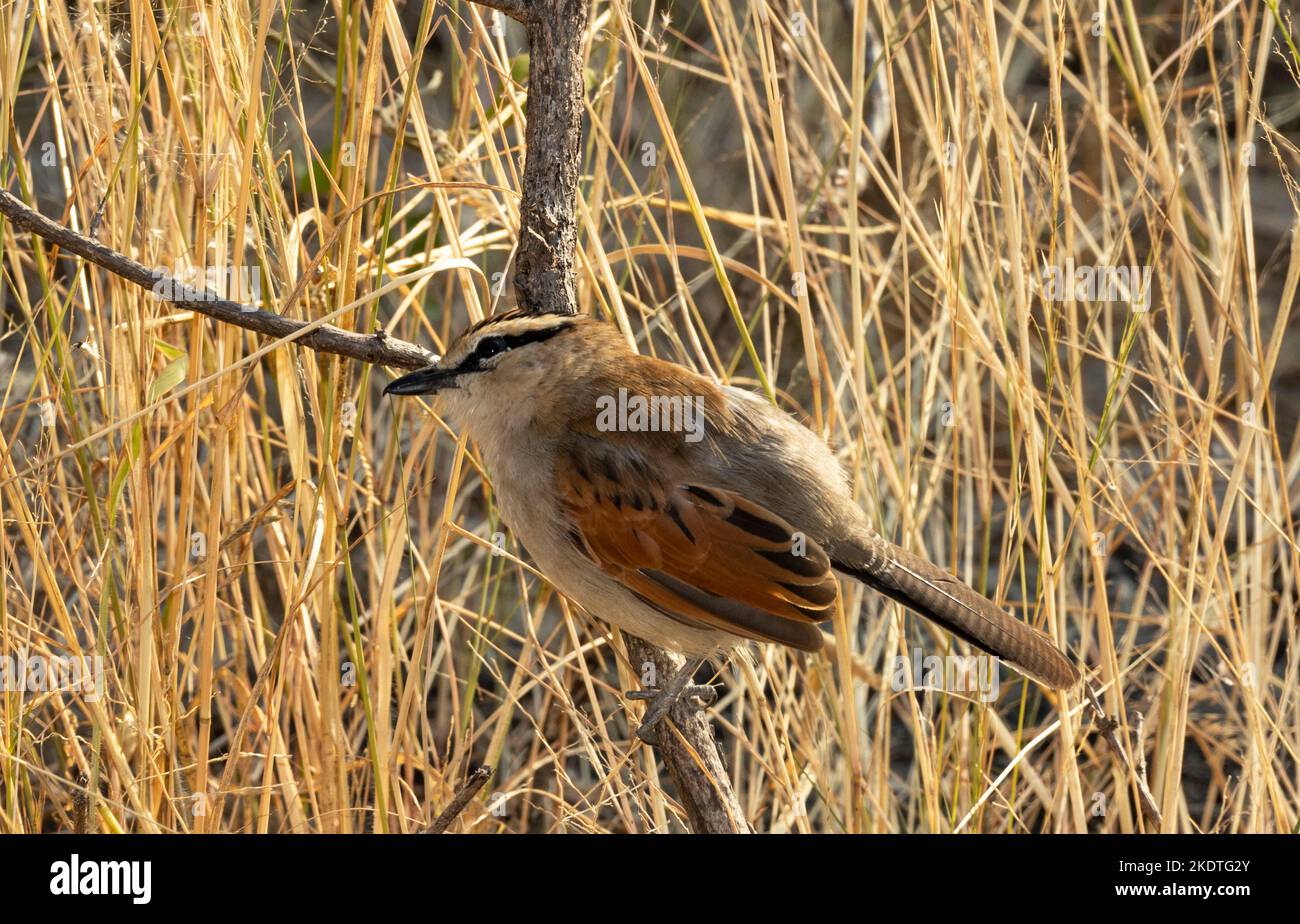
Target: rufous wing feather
(699, 554)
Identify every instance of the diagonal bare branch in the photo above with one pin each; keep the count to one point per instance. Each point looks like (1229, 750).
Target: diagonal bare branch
(376, 348)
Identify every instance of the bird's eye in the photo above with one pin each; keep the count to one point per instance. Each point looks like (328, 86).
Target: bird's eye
(490, 347)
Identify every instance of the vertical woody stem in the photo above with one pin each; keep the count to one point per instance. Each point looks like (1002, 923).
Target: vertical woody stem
(548, 232)
(545, 282)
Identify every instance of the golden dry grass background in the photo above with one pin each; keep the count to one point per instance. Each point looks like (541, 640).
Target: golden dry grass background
(292, 581)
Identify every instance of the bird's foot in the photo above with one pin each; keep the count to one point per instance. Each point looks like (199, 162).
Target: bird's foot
(678, 688)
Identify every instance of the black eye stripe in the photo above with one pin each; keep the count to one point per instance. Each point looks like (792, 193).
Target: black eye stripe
(500, 343)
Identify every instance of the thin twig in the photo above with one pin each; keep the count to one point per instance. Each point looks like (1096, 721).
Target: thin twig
(461, 799)
(1107, 725)
(81, 805)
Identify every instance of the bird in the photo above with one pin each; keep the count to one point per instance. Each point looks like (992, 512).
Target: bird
(697, 516)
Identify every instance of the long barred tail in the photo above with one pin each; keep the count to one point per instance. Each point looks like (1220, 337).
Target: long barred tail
(942, 598)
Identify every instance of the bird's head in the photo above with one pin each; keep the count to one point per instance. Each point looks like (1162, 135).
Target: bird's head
(504, 362)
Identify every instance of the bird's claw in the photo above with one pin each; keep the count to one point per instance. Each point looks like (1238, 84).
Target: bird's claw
(660, 701)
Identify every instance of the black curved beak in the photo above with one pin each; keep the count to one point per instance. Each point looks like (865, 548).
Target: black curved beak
(422, 382)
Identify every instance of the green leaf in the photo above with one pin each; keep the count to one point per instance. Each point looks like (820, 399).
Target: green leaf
(115, 489)
(172, 375)
(166, 349)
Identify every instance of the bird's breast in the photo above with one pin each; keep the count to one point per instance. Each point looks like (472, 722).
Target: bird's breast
(521, 466)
